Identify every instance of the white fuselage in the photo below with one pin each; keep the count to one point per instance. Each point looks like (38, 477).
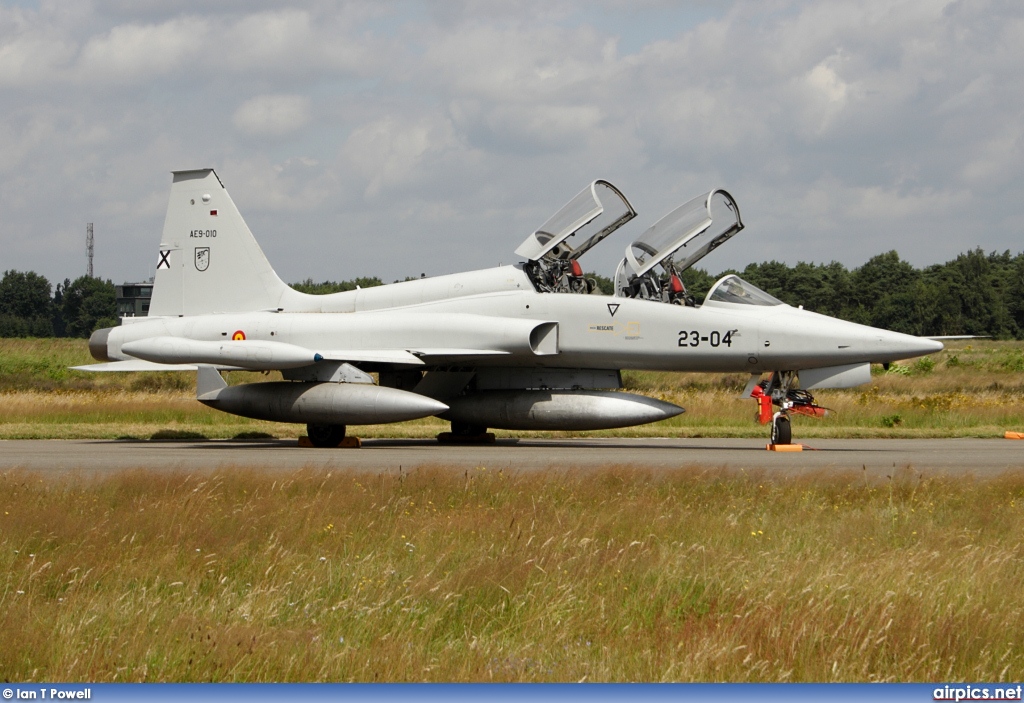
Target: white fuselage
(593, 331)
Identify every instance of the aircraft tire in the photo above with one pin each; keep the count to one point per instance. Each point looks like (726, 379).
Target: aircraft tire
(326, 436)
(465, 429)
(782, 430)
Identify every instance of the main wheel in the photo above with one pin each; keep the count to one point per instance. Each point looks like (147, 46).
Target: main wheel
(465, 429)
(782, 430)
(325, 435)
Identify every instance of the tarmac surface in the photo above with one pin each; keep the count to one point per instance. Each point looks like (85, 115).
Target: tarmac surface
(878, 457)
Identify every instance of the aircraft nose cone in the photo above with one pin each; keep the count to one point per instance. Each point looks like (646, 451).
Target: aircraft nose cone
(907, 346)
(804, 339)
(893, 346)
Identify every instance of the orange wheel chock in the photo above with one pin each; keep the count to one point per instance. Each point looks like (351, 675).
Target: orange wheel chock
(1014, 435)
(785, 447)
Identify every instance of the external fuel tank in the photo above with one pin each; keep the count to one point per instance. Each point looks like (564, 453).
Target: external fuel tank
(557, 409)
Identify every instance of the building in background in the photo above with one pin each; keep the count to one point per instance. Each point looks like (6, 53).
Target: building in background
(133, 299)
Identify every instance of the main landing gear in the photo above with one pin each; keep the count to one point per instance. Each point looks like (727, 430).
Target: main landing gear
(466, 433)
(325, 436)
(778, 391)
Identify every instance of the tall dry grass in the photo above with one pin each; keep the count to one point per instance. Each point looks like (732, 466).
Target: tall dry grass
(441, 575)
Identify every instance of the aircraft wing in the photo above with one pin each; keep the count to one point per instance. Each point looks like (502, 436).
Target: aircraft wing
(405, 356)
(140, 365)
(377, 356)
(948, 337)
(411, 357)
(457, 354)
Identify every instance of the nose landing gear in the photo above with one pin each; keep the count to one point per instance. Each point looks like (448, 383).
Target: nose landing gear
(778, 391)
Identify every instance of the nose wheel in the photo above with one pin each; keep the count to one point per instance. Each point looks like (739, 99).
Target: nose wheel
(782, 429)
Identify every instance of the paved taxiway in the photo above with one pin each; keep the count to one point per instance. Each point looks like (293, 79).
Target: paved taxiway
(980, 457)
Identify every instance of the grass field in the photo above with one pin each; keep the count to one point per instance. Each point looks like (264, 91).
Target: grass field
(441, 575)
(450, 575)
(971, 389)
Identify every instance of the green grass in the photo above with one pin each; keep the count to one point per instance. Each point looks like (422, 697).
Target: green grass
(43, 365)
(970, 390)
(443, 575)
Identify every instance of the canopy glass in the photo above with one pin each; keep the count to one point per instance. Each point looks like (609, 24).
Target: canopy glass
(733, 289)
(687, 234)
(596, 212)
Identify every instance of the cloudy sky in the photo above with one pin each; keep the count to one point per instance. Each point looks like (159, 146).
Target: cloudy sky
(394, 138)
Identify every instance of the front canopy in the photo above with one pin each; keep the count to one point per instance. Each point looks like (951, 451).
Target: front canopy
(733, 289)
(596, 212)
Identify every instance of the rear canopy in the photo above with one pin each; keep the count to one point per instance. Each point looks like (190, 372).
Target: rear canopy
(596, 212)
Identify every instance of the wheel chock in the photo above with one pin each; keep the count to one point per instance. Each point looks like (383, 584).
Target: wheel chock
(1014, 435)
(449, 438)
(785, 447)
(347, 443)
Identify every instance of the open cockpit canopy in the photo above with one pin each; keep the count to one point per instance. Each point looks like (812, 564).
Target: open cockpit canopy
(733, 289)
(596, 212)
(687, 234)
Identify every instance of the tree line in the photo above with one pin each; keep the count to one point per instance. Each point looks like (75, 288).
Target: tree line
(975, 293)
(31, 307)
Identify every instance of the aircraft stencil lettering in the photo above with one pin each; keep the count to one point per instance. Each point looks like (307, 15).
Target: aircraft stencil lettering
(715, 338)
(513, 347)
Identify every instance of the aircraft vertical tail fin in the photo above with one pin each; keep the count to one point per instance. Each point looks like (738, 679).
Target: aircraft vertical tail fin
(209, 261)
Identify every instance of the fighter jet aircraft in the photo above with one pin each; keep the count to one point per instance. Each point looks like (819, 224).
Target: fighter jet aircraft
(522, 347)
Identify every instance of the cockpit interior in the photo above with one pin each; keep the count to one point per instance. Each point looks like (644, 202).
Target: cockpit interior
(652, 266)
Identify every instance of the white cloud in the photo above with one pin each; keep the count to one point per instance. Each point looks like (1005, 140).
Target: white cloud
(829, 92)
(999, 159)
(841, 128)
(272, 115)
(132, 52)
(26, 59)
(823, 79)
(890, 205)
(390, 152)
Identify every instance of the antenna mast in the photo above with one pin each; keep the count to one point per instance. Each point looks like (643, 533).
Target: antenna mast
(88, 247)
